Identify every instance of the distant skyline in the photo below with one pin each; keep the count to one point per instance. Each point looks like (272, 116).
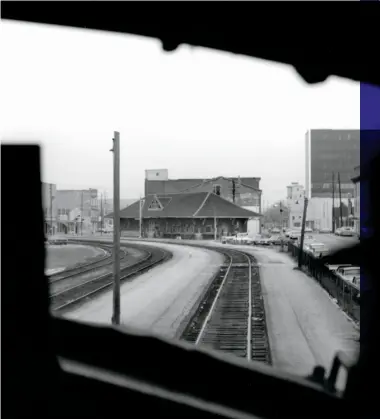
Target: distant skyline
(196, 112)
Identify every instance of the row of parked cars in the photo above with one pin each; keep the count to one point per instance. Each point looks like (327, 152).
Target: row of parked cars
(348, 273)
(259, 239)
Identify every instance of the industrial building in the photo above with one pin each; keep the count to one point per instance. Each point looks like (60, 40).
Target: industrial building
(196, 215)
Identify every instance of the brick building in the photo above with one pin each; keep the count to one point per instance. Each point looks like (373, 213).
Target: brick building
(189, 215)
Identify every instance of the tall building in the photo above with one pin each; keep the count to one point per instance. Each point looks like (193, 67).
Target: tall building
(328, 152)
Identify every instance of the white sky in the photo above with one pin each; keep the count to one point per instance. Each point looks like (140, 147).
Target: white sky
(197, 112)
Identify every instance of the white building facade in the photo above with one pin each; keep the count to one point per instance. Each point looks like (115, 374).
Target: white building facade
(295, 202)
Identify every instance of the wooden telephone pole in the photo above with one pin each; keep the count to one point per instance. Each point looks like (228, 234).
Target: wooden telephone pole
(116, 228)
(140, 216)
(81, 215)
(333, 203)
(51, 209)
(302, 233)
(340, 202)
(101, 214)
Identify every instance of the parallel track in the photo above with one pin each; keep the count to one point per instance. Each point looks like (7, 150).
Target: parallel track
(84, 291)
(88, 267)
(231, 315)
(84, 267)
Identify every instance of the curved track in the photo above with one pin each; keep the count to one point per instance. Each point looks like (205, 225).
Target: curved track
(83, 267)
(86, 289)
(87, 267)
(230, 316)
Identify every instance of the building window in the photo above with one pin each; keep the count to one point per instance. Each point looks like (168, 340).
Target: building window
(217, 189)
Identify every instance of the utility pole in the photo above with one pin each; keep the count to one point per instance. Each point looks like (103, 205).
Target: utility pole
(104, 207)
(333, 203)
(101, 214)
(340, 202)
(302, 233)
(116, 228)
(282, 217)
(140, 216)
(51, 208)
(81, 215)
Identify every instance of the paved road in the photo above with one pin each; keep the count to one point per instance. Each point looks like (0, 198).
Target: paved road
(160, 299)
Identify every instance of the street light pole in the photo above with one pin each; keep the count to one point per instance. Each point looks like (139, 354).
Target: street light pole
(116, 228)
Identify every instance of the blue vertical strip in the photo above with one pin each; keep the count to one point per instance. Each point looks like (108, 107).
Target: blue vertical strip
(369, 147)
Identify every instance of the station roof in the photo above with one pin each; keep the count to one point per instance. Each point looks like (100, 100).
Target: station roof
(186, 205)
(191, 185)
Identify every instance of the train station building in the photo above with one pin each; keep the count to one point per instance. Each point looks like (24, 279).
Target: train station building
(196, 215)
(242, 191)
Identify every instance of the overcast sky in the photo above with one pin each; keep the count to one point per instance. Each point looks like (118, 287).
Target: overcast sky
(196, 112)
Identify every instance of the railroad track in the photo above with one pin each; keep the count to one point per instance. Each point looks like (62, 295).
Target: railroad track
(88, 267)
(231, 315)
(84, 291)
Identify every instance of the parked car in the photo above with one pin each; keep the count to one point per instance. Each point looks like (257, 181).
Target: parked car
(228, 239)
(318, 249)
(264, 241)
(275, 240)
(348, 272)
(294, 235)
(307, 241)
(243, 238)
(324, 231)
(289, 231)
(333, 268)
(347, 231)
